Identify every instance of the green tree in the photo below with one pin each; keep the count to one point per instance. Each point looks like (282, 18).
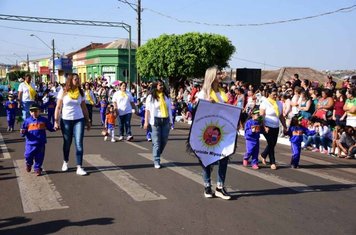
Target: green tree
(178, 57)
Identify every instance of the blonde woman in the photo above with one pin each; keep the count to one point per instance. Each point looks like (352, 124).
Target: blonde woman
(212, 92)
(71, 104)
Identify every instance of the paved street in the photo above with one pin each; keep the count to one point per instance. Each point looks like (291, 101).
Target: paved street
(124, 194)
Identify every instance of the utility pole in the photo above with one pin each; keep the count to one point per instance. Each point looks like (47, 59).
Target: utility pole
(53, 66)
(28, 63)
(138, 23)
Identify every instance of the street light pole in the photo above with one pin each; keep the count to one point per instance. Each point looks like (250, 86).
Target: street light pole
(53, 54)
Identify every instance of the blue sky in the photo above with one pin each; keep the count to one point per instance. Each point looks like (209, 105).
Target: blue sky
(324, 43)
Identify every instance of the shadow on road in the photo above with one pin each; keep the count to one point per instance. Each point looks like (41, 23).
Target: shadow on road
(49, 227)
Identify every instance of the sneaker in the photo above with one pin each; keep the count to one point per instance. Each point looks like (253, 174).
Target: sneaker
(8, 129)
(130, 137)
(244, 162)
(28, 168)
(325, 152)
(294, 166)
(208, 193)
(11, 129)
(315, 150)
(274, 167)
(113, 140)
(65, 166)
(81, 171)
(221, 192)
(38, 172)
(105, 138)
(149, 139)
(263, 160)
(120, 138)
(255, 167)
(157, 166)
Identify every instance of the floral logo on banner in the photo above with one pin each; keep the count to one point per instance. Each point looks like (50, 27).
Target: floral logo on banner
(212, 135)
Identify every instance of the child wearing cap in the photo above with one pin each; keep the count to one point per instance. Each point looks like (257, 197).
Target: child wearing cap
(34, 129)
(295, 132)
(253, 129)
(11, 107)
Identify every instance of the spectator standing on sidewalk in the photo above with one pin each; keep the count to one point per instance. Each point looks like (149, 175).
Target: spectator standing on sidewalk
(26, 96)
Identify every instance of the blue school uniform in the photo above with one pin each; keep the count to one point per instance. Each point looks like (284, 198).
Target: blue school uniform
(103, 107)
(11, 107)
(141, 113)
(296, 138)
(36, 139)
(252, 140)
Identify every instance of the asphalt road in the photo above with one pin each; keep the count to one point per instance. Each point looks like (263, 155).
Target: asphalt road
(124, 194)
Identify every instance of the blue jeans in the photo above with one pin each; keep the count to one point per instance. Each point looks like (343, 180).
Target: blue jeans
(125, 124)
(69, 129)
(160, 132)
(308, 140)
(221, 174)
(325, 142)
(26, 109)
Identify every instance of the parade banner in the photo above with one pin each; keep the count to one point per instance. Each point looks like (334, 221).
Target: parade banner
(213, 132)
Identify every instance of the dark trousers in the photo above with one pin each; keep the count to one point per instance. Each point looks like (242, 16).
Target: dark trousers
(90, 111)
(271, 137)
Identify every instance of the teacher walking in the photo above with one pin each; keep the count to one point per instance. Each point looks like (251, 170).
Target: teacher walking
(71, 103)
(212, 92)
(272, 111)
(26, 96)
(158, 116)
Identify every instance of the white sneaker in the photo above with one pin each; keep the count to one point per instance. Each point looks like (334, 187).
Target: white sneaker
(121, 138)
(65, 166)
(81, 171)
(113, 140)
(105, 138)
(157, 166)
(130, 137)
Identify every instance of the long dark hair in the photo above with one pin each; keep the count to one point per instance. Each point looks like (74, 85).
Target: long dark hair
(69, 83)
(154, 89)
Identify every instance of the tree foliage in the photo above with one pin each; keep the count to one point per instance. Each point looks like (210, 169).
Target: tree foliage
(183, 56)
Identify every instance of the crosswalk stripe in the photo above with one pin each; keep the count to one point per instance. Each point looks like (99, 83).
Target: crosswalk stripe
(136, 145)
(298, 187)
(181, 170)
(3, 148)
(322, 162)
(125, 181)
(37, 193)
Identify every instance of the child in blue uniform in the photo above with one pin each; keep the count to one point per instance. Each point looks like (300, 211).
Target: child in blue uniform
(252, 136)
(141, 113)
(11, 107)
(103, 106)
(51, 107)
(34, 129)
(295, 132)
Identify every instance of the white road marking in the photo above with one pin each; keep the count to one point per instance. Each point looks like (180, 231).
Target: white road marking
(136, 145)
(298, 187)
(322, 162)
(125, 181)
(3, 148)
(37, 193)
(183, 171)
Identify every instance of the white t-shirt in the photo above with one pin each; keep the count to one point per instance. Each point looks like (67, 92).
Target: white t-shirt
(271, 118)
(25, 91)
(201, 96)
(123, 103)
(153, 107)
(71, 109)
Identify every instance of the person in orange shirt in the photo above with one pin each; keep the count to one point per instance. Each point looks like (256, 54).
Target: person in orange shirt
(110, 119)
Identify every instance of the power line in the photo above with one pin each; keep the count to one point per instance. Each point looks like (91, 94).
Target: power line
(344, 10)
(256, 62)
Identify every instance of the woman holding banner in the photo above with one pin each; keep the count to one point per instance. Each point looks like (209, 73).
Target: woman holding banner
(212, 92)
(272, 111)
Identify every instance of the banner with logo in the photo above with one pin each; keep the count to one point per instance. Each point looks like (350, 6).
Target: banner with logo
(213, 132)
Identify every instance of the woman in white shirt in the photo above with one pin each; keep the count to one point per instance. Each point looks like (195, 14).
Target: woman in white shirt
(26, 96)
(272, 111)
(71, 103)
(158, 116)
(125, 106)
